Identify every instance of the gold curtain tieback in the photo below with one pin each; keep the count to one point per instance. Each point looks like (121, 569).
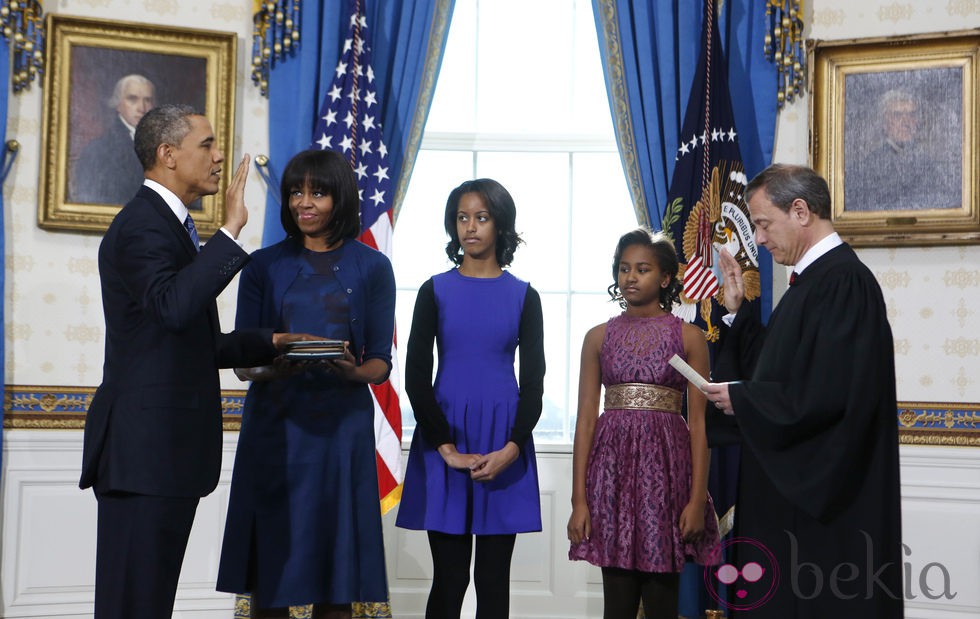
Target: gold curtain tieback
(641, 396)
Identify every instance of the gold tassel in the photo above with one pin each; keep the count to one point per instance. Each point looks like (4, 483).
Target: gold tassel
(784, 46)
(23, 27)
(276, 33)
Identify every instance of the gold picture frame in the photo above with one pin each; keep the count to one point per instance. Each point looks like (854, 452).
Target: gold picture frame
(86, 167)
(894, 130)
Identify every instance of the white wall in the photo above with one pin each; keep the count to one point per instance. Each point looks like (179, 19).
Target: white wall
(47, 568)
(54, 334)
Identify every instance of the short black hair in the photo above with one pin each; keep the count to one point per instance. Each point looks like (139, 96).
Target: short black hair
(166, 124)
(666, 257)
(501, 206)
(328, 172)
(784, 182)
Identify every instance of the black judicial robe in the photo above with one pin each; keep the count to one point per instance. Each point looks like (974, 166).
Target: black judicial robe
(818, 497)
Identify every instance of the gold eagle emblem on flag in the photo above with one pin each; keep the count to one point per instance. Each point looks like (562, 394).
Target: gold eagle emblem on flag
(720, 219)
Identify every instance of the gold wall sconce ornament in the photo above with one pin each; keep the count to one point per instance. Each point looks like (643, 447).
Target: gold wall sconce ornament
(784, 46)
(275, 34)
(23, 27)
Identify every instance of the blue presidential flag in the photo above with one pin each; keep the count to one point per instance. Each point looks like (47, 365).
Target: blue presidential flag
(706, 209)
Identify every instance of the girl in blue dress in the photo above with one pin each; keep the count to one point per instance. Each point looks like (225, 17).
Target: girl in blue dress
(304, 523)
(471, 469)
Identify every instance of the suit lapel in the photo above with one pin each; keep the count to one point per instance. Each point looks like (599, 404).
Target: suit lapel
(160, 205)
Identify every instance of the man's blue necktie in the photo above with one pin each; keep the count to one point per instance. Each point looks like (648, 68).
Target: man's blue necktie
(191, 230)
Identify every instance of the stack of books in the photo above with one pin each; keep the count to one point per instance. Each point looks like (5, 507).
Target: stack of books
(316, 350)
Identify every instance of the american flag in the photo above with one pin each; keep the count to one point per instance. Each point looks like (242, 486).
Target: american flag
(699, 282)
(349, 124)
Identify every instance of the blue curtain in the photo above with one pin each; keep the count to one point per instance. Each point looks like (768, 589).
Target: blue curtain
(408, 40)
(649, 54)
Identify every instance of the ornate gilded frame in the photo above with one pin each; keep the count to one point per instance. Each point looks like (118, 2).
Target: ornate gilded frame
(82, 52)
(848, 81)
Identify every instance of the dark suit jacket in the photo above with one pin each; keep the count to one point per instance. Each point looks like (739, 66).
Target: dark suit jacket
(154, 425)
(107, 170)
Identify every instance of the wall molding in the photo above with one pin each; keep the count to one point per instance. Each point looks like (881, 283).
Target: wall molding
(59, 408)
(63, 408)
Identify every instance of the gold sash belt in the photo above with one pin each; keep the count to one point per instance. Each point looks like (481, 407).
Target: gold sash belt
(641, 396)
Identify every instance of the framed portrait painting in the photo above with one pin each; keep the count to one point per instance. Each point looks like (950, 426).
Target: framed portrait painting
(894, 130)
(101, 78)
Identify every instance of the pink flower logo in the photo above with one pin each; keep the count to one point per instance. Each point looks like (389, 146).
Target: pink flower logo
(753, 582)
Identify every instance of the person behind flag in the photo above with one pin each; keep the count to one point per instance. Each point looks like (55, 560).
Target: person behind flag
(819, 472)
(303, 524)
(640, 502)
(471, 469)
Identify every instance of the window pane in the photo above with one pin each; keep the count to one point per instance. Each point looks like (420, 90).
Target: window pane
(419, 243)
(590, 105)
(539, 184)
(524, 73)
(552, 427)
(601, 212)
(404, 307)
(454, 101)
(586, 311)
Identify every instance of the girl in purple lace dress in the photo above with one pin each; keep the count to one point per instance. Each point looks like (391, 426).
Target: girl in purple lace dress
(640, 504)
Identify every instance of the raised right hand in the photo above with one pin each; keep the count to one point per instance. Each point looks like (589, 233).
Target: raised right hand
(734, 285)
(236, 215)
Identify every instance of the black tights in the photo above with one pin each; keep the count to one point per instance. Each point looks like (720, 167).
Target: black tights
(451, 575)
(623, 589)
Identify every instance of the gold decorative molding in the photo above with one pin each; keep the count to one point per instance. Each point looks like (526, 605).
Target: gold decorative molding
(61, 408)
(932, 423)
(64, 408)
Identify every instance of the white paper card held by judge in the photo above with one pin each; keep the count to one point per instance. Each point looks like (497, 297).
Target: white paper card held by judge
(688, 372)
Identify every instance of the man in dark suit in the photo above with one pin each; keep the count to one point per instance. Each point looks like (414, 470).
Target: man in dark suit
(153, 431)
(108, 170)
(818, 503)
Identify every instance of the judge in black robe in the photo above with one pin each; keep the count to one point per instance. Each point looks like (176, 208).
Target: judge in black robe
(818, 497)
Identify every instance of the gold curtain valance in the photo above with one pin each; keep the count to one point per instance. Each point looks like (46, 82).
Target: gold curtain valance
(784, 46)
(276, 33)
(23, 27)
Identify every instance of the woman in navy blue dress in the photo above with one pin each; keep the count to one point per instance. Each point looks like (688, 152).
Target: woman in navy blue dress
(304, 522)
(471, 470)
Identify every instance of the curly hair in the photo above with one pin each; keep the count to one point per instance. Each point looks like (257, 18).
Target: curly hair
(501, 206)
(666, 257)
